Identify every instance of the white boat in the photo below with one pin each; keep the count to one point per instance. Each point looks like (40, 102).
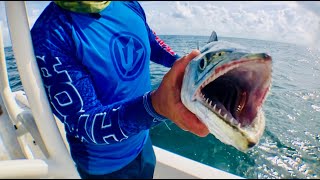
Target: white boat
(32, 139)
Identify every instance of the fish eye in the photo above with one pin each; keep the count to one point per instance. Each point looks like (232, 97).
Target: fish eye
(221, 53)
(202, 64)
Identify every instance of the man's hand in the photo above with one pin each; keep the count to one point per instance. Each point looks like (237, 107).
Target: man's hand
(167, 102)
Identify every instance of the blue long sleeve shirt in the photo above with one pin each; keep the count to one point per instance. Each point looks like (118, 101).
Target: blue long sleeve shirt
(95, 69)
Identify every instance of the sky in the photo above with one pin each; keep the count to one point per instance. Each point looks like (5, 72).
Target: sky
(295, 22)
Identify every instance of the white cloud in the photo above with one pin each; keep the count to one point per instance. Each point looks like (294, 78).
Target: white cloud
(314, 36)
(3, 24)
(183, 10)
(278, 21)
(313, 6)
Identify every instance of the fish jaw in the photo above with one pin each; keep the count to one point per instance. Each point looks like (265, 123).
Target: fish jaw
(241, 139)
(242, 135)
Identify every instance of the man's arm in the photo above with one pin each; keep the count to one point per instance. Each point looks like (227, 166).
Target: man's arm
(73, 98)
(161, 53)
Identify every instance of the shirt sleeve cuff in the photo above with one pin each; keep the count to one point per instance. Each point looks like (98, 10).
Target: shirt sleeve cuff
(149, 108)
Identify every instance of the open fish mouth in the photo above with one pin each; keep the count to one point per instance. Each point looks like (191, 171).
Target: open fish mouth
(225, 87)
(235, 91)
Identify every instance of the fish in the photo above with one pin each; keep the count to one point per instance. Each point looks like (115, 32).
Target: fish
(226, 86)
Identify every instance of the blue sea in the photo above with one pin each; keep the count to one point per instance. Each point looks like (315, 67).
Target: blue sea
(290, 145)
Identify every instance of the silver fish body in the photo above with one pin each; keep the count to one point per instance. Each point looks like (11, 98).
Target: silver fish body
(225, 87)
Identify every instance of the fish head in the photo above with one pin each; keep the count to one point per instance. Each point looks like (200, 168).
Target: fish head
(225, 86)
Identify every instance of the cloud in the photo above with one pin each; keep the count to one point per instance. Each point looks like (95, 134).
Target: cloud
(313, 6)
(3, 25)
(278, 21)
(183, 10)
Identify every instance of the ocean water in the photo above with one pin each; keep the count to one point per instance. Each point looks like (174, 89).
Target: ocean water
(290, 145)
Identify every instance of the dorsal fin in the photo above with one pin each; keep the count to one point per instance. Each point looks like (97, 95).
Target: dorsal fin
(213, 37)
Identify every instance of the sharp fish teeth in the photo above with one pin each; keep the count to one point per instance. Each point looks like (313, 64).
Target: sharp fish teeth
(238, 125)
(233, 121)
(238, 108)
(225, 116)
(214, 107)
(242, 102)
(219, 111)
